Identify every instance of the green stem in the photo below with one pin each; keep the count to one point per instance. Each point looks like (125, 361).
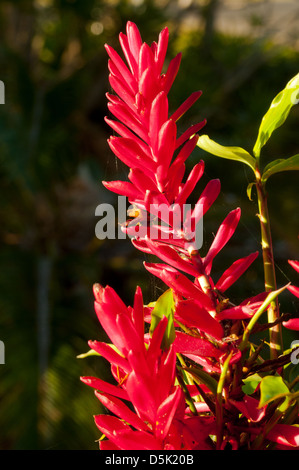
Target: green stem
(219, 401)
(269, 266)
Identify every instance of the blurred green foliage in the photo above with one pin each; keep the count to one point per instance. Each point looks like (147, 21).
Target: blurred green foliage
(53, 156)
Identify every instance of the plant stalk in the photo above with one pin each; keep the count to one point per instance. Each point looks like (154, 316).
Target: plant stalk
(269, 267)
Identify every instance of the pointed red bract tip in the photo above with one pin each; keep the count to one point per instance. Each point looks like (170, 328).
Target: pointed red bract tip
(294, 264)
(98, 291)
(186, 105)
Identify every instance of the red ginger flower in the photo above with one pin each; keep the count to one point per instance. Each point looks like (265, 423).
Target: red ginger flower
(159, 418)
(147, 143)
(148, 140)
(147, 134)
(146, 377)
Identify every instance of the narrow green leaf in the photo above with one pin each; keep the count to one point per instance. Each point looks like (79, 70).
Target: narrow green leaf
(277, 113)
(222, 377)
(249, 190)
(188, 398)
(164, 306)
(230, 153)
(273, 387)
(270, 297)
(203, 377)
(280, 165)
(92, 352)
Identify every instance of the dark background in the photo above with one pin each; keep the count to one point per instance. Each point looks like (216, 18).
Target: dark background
(54, 155)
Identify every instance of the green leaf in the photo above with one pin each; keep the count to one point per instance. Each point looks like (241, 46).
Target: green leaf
(230, 153)
(164, 306)
(279, 165)
(272, 388)
(249, 190)
(91, 352)
(277, 113)
(250, 383)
